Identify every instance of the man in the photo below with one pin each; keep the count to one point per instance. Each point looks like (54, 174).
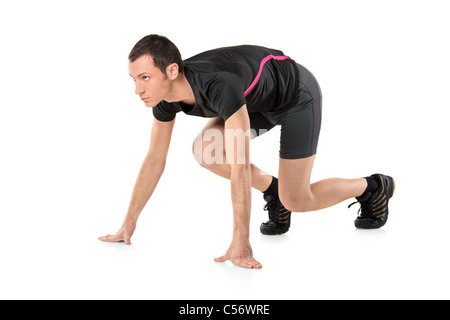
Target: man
(244, 90)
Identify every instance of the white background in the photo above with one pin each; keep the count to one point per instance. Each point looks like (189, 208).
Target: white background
(73, 136)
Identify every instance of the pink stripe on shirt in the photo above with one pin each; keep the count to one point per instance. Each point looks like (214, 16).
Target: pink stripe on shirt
(261, 66)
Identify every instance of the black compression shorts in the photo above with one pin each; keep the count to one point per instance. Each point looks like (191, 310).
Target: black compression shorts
(300, 124)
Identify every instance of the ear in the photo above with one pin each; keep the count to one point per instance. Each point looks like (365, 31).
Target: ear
(172, 71)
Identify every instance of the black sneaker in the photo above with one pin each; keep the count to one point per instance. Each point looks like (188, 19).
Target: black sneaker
(279, 217)
(374, 205)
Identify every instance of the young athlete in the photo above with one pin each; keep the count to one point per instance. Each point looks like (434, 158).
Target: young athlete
(246, 91)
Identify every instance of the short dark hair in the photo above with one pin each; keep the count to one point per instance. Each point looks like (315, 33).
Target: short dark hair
(161, 49)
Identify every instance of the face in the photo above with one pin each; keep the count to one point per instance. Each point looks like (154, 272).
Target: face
(152, 85)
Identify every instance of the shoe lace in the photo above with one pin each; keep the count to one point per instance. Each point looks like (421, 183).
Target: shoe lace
(365, 209)
(273, 207)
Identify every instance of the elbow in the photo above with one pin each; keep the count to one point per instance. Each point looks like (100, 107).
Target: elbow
(157, 163)
(160, 165)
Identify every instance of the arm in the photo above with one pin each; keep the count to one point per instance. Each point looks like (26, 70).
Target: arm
(149, 175)
(237, 146)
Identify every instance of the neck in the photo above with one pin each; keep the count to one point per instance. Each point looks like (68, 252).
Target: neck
(181, 91)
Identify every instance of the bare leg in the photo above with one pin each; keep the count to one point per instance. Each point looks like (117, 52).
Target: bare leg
(299, 195)
(260, 180)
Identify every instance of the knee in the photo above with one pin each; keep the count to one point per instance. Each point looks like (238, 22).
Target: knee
(298, 202)
(207, 153)
(208, 146)
(197, 152)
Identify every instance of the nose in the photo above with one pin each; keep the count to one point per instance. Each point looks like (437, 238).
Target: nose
(139, 89)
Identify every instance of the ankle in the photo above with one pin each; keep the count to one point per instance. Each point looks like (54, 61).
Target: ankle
(272, 190)
(372, 185)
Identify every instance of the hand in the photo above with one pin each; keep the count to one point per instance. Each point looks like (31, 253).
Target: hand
(124, 234)
(240, 254)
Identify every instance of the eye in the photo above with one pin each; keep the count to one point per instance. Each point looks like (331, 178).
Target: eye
(146, 77)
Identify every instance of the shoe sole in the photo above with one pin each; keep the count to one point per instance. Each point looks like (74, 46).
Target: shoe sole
(272, 231)
(376, 223)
